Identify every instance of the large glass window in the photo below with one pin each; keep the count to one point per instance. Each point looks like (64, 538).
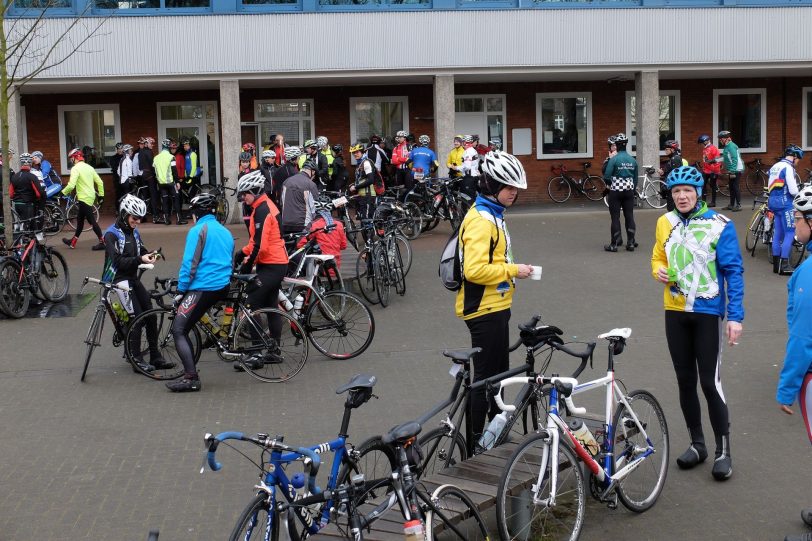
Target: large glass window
(481, 115)
(94, 129)
(564, 125)
(153, 4)
(42, 4)
(293, 119)
(378, 116)
(806, 118)
(669, 118)
(372, 2)
(743, 112)
(269, 2)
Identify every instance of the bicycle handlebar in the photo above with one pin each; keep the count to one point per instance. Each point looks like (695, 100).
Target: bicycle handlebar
(106, 285)
(568, 383)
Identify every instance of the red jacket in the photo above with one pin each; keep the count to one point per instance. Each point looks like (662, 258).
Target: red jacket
(331, 243)
(265, 244)
(482, 149)
(400, 155)
(709, 155)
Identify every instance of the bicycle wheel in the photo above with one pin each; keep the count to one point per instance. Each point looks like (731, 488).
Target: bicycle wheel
(14, 295)
(329, 278)
(264, 357)
(73, 213)
(257, 521)
(723, 186)
(438, 448)
(755, 181)
(453, 516)
(525, 420)
(93, 338)
(349, 230)
(396, 266)
(372, 458)
(340, 325)
(54, 219)
(797, 254)
(593, 187)
(754, 232)
(405, 249)
(156, 322)
(653, 194)
(54, 277)
(559, 189)
(365, 271)
(639, 490)
(382, 278)
(522, 509)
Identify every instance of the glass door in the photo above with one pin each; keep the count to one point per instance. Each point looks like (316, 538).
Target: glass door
(197, 121)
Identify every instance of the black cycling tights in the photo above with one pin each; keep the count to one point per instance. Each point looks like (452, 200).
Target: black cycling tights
(267, 294)
(192, 307)
(139, 301)
(694, 341)
(85, 211)
(622, 200)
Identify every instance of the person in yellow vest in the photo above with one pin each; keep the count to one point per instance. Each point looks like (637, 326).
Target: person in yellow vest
(89, 191)
(454, 161)
(324, 150)
(162, 163)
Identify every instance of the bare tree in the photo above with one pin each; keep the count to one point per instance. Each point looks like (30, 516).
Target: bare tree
(32, 43)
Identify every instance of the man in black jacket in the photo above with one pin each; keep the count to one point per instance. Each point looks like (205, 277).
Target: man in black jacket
(145, 157)
(673, 160)
(27, 192)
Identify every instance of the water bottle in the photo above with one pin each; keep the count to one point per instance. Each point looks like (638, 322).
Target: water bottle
(297, 304)
(583, 435)
(413, 531)
(285, 301)
(120, 312)
(493, 431)
(228, 316)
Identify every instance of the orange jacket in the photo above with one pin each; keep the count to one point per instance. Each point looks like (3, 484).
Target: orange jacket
(265, 245)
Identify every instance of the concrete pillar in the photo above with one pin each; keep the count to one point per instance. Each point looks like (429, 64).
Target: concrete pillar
(15, 127)
(443, 119)
(230, 138)
(647, 115)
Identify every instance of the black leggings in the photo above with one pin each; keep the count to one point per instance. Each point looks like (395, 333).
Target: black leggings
(710, 187)
(694, 341)
(735, 192)
(169, 198)
(404, 178)
(139, 301)
(192, 307)
(491, 333)
(622, 200)
(267, 294)
(86, 212)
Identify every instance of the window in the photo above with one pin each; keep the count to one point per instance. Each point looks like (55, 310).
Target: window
(42, 4)
(373, 2)
(743, 112)
(291, 118)
(669, 125)
(152, 4)
(269, 2)
(481, 115)
(378, 116)
(806, 116)
(564, 125)
(198, 122)
(94, 129)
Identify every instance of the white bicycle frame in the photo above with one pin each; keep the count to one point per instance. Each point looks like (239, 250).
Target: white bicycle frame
(639, 192)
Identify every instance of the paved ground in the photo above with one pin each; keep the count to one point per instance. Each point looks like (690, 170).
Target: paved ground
(119, 455)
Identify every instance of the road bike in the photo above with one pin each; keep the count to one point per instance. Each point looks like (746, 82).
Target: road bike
(439, 199)
(760, 229)
(652, 191)
(541, 493)
(756, 177)
(564, 182)
(383, 262)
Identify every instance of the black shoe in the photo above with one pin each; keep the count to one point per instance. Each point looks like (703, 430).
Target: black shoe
(801, 537)
(726, 208)
(97, 247)
(144, 366)
(737, 208)
(238, 367)
(160, 364)
(776, 262)
(181, 221)
(695, 454)
(630, 247)
(722, 464)
(784, 268)
(610, 247)
(184, 385)
(167, 220)
(254, 362)
(806, 516)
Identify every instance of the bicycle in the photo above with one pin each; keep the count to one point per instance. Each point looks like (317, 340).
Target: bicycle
(408, 215)
(541, 491)
(650, 190)
(72, 212)
(31, 268)
(221, 212)
(761, 226)
(756, 178)
(562, 183)
(262, 517)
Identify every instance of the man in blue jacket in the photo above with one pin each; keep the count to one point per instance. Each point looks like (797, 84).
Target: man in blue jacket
(796, 375)
(203, 281)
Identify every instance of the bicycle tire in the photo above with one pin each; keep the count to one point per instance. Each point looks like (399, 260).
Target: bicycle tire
(250, 519)
(381, 265)
(137, 337)
(452, 506)
(653, 194)
(291, 349)
(365, 273)
(517, 517)
(373, 458)
(349, 230)
(593, 187)
(754, 232)
(627, 440)
(797, 254)
(221, 214)
(412, 228)
(329, 278)
(53, 265)
(446, 450)
(559, 189)
(14, 294)
(339, 325)
(396, 265)
(723, 187)
(405, 248)
(54, 219)
(73, 213)
(93, 338)
(755, 182)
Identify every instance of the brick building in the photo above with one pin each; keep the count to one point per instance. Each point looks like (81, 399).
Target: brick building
(551, 79)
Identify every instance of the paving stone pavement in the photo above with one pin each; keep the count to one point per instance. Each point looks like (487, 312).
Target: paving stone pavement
(118, 455)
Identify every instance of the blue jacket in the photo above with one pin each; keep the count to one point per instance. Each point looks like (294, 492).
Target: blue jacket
(798, 358)
(423, 157)
(207, 258)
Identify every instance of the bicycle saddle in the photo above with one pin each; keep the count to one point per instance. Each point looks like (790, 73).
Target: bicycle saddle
(248, 278)
(358, 381)
(402, 433)
(615, 334)
(463, 355)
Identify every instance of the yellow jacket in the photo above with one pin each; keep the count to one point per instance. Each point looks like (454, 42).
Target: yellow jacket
(487, 262)
(455, 160)
(86, 181)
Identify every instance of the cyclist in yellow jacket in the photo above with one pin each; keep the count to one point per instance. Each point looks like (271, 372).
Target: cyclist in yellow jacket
(87, 183)
(488, 270)
(454, 160)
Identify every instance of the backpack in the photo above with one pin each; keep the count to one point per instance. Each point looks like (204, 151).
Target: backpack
(450, 269)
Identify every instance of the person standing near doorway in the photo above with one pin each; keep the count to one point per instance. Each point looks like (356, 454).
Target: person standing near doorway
(711, 167)
(732, 160)
(620, 176)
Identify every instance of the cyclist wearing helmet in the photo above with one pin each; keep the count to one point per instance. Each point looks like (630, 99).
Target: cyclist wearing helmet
(288, 168)
(454, 159)
(609, 155)
(711, 167)
(245, 169)
(162, 163)
(377, 154)
(125, 170)
(267, 167)
(366, 179)
(124, 251)
(318, 159)
(340, 174)
(470, 166)
(203, 281)
(299, 194)
(400, 159)
(114, 161)
(620, 175)
(327, 154)
(783, 187)
(333, 242)
(673, 160)
(146, 171)
(191, 170)
(87, 183)
(27, 192)
(479, 147)
(494, 144)
(696, 255)
(424, 161)
(732, 160)
(251, 150)
(488, 274)
(265, 250)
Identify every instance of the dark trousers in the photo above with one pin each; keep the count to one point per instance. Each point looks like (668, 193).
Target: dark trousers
(170, 199)
(86, 212)
(710, 187)
(696, 351)
(192, 307)
(152, 183)
(121, 190)
(404, 178)
(735, 192)
(267, 294)
(622, 200)
(470, 185)
(139, 301)
(491, 333)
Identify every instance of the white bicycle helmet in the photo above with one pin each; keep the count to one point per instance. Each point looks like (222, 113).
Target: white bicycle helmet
(401, 133)
(424, 140)
(803, 200)
(253, 183)
(37, 154)
(291, 153)
(268, 154)
(132, 206)
(505, 169)
(467, 138)
(321, 142)
(26, 159)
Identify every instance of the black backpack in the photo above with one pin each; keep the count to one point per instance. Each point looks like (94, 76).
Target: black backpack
(450, 269)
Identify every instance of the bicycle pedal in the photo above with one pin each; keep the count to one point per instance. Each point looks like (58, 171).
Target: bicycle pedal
(611, 502)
